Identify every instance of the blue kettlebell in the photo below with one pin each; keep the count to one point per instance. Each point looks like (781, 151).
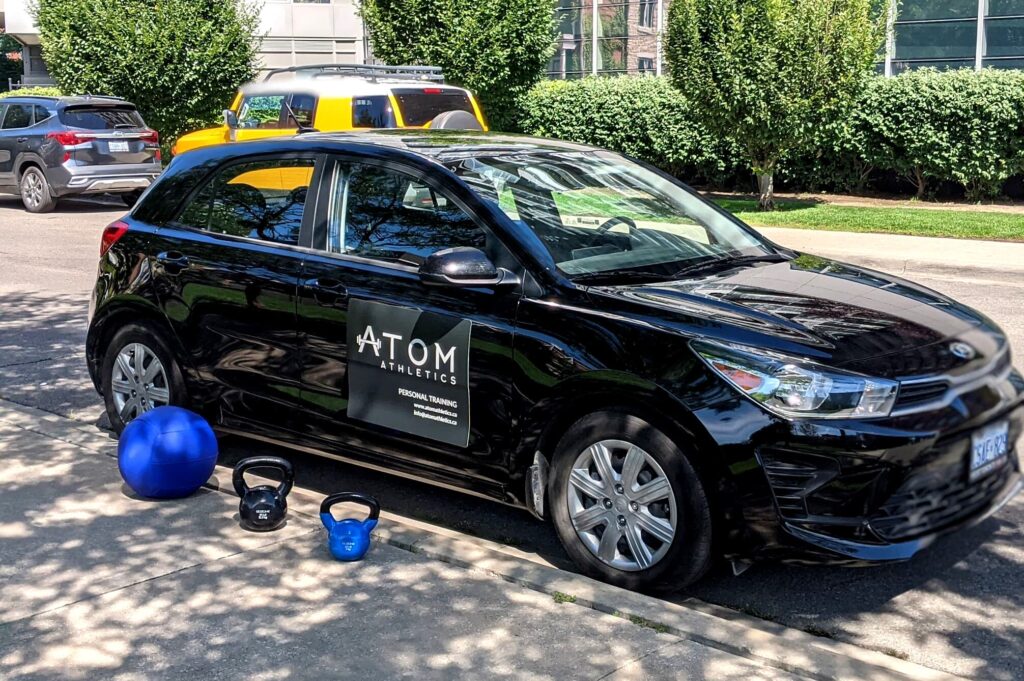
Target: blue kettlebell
(349, 539)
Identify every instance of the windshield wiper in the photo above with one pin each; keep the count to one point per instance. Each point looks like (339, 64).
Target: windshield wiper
(619, 276)
(720, 261)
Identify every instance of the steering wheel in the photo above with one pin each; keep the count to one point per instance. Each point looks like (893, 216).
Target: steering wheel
(611, 222)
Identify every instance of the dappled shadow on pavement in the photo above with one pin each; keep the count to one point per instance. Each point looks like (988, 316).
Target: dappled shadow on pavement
(97, 584)
(42, 353)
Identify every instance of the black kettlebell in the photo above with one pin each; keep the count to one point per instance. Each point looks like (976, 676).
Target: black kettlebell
(263, 508)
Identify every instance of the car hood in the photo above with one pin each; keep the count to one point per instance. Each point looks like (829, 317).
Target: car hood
(818, 308)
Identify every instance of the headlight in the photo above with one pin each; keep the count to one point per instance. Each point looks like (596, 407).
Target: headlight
(795, 388)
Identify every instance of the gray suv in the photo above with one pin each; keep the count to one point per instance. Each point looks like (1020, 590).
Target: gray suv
(52, 147)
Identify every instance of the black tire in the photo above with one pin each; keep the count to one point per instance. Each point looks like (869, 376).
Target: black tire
(688, 555)
(125, 336)
(131, 198)
(36, 195)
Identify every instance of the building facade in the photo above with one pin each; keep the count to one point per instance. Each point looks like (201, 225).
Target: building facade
(297, 32)
(611, 37)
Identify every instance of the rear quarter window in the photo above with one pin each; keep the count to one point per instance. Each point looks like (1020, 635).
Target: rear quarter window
(102, 117)
(419, 106)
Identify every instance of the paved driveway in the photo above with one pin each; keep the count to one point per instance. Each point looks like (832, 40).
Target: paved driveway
(958, 607)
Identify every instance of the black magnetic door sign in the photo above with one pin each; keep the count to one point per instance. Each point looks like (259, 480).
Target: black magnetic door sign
(409, 370)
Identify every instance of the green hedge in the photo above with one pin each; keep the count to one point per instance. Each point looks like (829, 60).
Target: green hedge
(641, 116)
(28, 91)
(928, 126)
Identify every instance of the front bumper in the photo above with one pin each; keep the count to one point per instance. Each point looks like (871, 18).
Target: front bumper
(902, 550)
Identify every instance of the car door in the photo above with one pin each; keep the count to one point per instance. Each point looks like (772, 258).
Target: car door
(13, 137)
(261, 116)
(227, 274)
(408, 375)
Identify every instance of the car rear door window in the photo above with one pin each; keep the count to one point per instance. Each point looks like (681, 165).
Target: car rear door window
(372, 112)
(263, 200)
(118, 117)
(42, 113)
(17, 116)
(375, 212)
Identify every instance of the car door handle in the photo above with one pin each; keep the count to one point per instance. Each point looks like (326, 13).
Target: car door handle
(327, 291)
(173, 261)
(22, 140)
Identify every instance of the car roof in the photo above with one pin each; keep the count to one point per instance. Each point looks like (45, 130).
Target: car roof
(444, 146)
(338, 86)
(74, 100)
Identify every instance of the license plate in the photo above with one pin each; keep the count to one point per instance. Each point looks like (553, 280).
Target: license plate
(989, 447)
(116, 146)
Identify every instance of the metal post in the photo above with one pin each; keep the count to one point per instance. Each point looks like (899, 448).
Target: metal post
(979, 48)
(594, 22)
(890, 37)
(657, 43)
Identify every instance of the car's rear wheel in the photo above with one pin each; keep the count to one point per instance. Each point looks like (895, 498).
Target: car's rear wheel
(131, 198)
(627, 504)
(35, 191)
(139, 374)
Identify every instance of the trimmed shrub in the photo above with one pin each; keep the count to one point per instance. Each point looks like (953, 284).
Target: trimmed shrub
(496, 48)
(29, 91)
(642, 116)
(961, 126)
(179, 61)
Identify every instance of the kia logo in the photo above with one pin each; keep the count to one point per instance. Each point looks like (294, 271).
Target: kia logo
(962, 350)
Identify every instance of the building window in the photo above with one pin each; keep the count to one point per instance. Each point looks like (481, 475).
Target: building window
(648, 10)
(944, 34)
(645, 64)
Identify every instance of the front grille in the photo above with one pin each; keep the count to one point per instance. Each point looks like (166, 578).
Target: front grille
(932, 500)
(913, 394)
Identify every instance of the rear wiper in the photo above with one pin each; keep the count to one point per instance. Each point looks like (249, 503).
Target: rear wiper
(717, 262)
(619, 276)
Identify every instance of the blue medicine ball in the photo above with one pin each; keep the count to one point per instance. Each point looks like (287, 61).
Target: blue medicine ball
(167, 453)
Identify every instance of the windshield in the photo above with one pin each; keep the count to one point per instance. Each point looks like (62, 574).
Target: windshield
(597, 212)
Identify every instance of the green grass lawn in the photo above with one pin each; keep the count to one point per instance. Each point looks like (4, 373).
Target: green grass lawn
(918, 221)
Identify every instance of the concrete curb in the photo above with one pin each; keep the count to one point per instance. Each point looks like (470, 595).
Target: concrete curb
(768, 644)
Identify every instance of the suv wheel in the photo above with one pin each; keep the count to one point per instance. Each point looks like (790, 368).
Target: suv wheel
(131, 198)
(139, 374)
(35, 191)
(627, 505)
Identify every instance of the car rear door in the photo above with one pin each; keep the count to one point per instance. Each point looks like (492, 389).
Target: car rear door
(14, 119)
(409, 375)
(109, 133)
(227, 271)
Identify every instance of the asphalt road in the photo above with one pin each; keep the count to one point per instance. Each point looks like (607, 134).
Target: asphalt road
(958, 607)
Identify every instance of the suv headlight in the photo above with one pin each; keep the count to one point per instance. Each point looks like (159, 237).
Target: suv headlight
(796, 388)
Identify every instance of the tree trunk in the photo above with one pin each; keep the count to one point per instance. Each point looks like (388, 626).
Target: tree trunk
(766, 189)
(920, 182)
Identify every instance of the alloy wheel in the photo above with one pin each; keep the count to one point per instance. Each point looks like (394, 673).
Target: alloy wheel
(622, 505)
(32, 189)
(138, 382)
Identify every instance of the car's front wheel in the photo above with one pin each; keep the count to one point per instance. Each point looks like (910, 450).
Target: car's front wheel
(36, 195)
(139, 375)
(627, 504)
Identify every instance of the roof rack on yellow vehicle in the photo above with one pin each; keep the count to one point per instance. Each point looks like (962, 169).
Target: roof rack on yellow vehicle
(372, 72)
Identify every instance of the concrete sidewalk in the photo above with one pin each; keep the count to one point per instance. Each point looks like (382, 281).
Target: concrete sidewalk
(96, 583)
(909, 256)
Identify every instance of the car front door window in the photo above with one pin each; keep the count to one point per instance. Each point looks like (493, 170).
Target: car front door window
(383, 214)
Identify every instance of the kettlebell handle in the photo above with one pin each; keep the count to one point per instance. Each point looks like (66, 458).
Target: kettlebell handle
(275, 462)
(355, 497)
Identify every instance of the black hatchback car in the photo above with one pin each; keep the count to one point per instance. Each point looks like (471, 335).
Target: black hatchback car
(54, 147)
(557, 327)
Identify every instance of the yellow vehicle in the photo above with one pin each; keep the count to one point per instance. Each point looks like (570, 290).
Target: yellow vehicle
(333, 97)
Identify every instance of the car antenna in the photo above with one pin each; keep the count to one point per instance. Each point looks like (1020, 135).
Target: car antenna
(302, 127)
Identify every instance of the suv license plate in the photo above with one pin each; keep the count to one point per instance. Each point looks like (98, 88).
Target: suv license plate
(118, 146)
(989, 447)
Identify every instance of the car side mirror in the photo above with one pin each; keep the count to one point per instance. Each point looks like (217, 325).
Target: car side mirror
(463, 267)
(230, 118)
